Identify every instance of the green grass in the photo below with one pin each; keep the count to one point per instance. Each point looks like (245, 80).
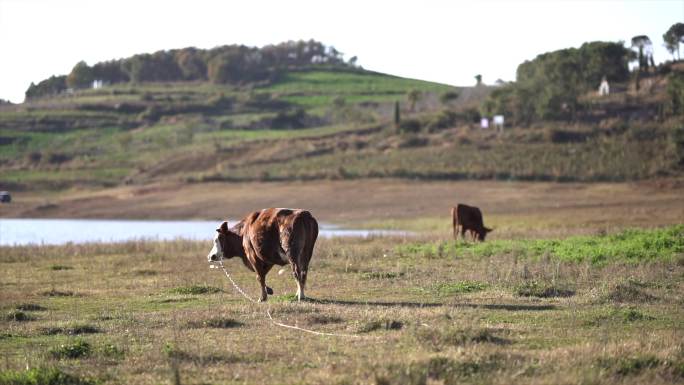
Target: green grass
(631, 246)
(345, 83)
(41, 376)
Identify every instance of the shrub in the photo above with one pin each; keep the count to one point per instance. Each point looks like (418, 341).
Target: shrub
(461, 287)
(412, 140)
(442, 120)
(217, 323)
(58, 158)
(626, 366)
(536, 289)
(60, 267)
(677, 140)
(71, 330)
(675, 91)
(19, 316)
(556, 135)
(30, 307)
(77, 349)
(628, 291)
(409, 126)
(57, 293)
(448, 96)
(112, 351)
(380, 324)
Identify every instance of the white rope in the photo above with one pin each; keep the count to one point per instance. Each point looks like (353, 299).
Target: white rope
(268, 311)
(233, 282)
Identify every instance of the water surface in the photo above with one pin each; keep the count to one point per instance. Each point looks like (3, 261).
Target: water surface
(61, 231)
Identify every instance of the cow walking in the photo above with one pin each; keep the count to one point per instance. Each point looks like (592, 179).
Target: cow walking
(469, 219)
(270, 237)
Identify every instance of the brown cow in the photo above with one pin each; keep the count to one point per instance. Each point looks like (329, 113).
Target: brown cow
(270, 237)
(469, 218)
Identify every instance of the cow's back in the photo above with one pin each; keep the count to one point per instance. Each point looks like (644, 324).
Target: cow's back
(275, 232)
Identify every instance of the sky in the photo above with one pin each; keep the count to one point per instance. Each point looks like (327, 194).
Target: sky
(443, 41)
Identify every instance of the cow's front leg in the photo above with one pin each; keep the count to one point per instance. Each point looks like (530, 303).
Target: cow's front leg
(264, 292)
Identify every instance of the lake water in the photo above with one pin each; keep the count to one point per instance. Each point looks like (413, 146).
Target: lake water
(61, 231)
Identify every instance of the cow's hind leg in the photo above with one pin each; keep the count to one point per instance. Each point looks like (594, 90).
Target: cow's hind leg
(299, 254)
(262, 269)
(299, 274)
(304, 259)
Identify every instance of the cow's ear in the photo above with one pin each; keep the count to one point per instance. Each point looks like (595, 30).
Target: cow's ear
(488, 229)
(223, 229)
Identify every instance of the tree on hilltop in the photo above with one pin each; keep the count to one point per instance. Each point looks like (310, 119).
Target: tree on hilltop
(478, 79)
(81, 76)
(673, 37)
(413, 96)
(644, 48)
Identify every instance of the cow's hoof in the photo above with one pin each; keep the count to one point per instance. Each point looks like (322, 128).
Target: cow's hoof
(269, 291)
(262, 299)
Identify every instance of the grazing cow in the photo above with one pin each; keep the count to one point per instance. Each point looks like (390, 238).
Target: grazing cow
(270, 237)
(469, 218)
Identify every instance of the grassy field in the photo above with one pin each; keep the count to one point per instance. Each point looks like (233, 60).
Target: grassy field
(423, 311)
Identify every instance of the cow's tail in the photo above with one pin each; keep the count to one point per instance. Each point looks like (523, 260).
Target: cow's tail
(302, 240)
(454, 221)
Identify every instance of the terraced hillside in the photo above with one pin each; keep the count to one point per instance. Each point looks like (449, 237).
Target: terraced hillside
(322, 124)
(129, 133)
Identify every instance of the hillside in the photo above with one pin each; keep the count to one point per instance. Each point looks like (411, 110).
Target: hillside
(323, 123)
(137, 133)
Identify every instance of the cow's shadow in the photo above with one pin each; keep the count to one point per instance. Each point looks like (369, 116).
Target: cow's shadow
(411, 304)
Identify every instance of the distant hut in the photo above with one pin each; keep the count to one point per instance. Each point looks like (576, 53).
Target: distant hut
(5, 197)
(498, 122)
(604, 88)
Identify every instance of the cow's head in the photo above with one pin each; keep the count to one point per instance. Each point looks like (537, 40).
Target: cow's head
(482, 234)
(221, 247)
